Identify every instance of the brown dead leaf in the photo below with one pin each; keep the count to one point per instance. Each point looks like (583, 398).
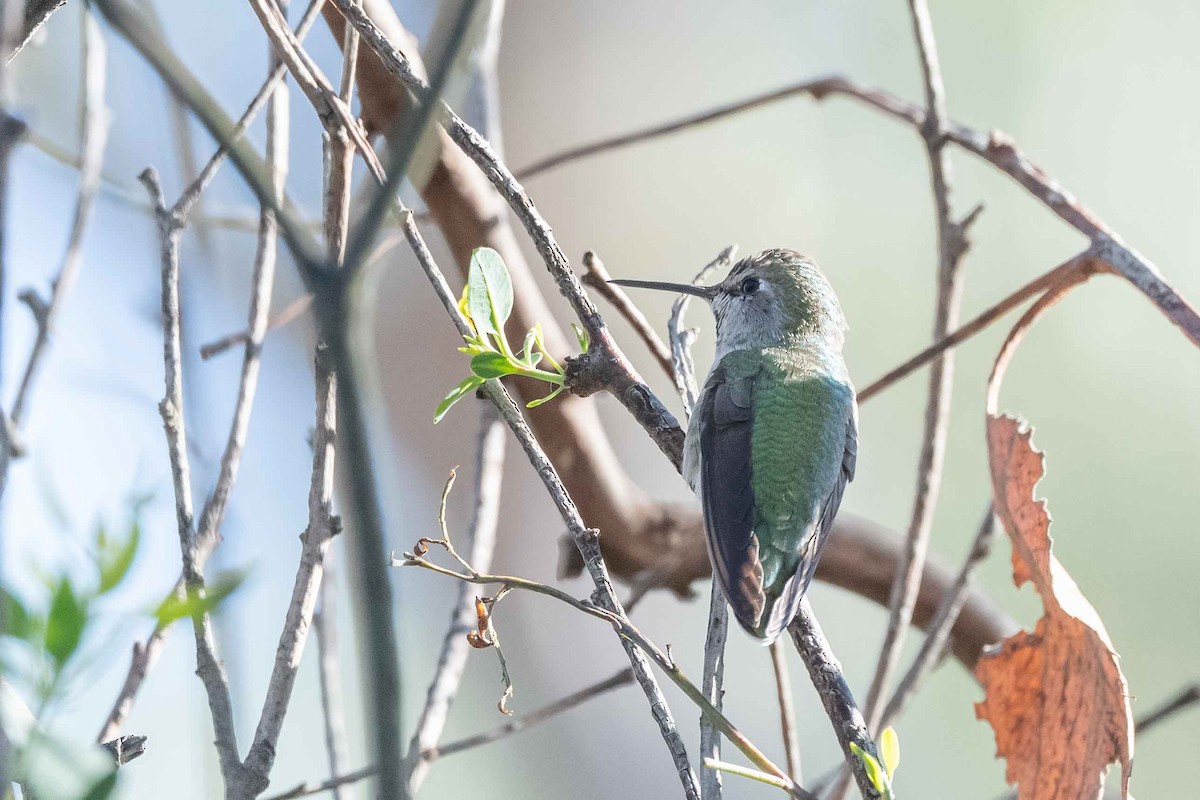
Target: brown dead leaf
(1056, 697)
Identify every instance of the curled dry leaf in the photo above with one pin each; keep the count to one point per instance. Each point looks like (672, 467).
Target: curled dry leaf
(1055, 697)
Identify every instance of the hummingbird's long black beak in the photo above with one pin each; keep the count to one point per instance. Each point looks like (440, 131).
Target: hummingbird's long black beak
(707, 292)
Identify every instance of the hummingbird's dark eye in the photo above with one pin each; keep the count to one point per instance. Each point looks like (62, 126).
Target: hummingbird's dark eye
(750, 285)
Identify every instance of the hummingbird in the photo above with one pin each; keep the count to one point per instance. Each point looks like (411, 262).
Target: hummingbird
(773, 439)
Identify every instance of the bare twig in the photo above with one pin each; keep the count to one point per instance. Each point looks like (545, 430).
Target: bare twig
(338, 153)
(274, 79)
(969, 329)
(562, 705)
(1187, 697)
(329, 672)
(826, 674)
(596, 276)
(952, 245)
(308, 789)
(208, 664)
(712, 684)
(93, 135)
(683, 369)
(683, 372)
(133, 26)
(289, 313)
(787, 709)
(934, 646)
(452, 660)
(489, 467)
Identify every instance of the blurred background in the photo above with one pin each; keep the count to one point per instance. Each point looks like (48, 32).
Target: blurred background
(1094, 93)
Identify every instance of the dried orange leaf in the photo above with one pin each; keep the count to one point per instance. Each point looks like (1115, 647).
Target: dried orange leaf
(1055, 697)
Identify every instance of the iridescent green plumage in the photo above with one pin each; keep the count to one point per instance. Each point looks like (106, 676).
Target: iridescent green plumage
(773, 440)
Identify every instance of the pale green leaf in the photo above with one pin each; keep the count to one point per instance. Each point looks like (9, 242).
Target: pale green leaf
(889, 750)
(546, 399)
(527, 347)
(457, 393)
(192, 603)
(875, 772)
(17, 620)
(114, 558)
(492, 365)
(489, 291)
(582, 337)
(65, 623)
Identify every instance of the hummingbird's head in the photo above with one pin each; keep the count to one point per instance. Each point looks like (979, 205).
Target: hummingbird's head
(766, 299)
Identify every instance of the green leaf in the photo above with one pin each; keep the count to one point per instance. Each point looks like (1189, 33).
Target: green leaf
(582, 336)
(115, 558)
(65, 624)
(875, 772)
(489, 291)
(492, 365)
(103, 788)
(17, 621)
(889, 749)
(546, 399)
(193, 604)
(527, 347)
(457, 393)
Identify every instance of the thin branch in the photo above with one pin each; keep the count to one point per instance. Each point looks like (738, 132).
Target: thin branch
(338, 153)
(712, 682)
(683, 369)
(308, 789)
(208, 664)
(290, 313)
(969, 329)
(132, 25)
(262, 286)
(718, 766)
(452, 660)
(1186, 698)
(787, 709)
(952, 245)
(994, 147)
(189, 197)
(628, 633)
(329, 672)
(489, 467)
(560, 706)
(934, 646)
(93, 136)
(826, 674)
(596, 276)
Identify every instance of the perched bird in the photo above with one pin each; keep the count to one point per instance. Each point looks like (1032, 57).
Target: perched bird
(773, 439)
